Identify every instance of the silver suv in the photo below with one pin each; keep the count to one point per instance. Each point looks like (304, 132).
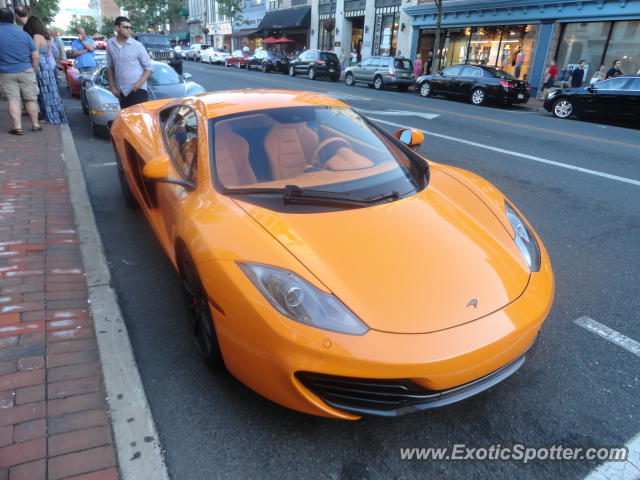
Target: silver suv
(381, 71)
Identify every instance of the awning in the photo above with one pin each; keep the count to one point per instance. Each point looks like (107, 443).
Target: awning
(297, 17)
(244, 33)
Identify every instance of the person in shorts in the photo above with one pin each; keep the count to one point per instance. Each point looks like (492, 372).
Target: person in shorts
(18, 61)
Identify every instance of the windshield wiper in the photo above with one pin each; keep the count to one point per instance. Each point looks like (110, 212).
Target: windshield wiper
(295, 195)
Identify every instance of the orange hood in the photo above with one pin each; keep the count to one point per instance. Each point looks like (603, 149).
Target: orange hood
(410, 266)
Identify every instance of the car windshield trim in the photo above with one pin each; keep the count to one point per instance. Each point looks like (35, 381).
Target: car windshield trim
(416, 171)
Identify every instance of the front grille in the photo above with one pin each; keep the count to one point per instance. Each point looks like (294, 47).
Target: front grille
(394, 397)
(160, 55)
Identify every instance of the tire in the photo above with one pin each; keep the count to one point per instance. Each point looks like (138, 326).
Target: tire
(99, 131)
(478, 97)
(292, 71)
(349, 81)
(562, 108)
(226, 63)
(129, 199)
(311, 74)
(378, 84)
(265, 68)
(238, 66)
(402, 88)
(425, 89)
(201, 321)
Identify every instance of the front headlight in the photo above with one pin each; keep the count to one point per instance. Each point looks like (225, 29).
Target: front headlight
(524, 238)
(553, 93)
(300, 301)
(110, 107)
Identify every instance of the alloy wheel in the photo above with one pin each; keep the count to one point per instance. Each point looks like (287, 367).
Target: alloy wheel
(312, 74)
(292, 72)
(563, 108)
(477, 97)
(425, 89)
(377, 83)
(349, 80)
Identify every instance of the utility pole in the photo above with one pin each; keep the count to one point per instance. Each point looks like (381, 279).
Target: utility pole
(436, 47)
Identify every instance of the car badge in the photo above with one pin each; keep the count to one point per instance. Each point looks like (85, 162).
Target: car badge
(473, 302)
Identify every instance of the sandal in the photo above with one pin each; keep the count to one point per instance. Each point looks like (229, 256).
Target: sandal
(16, 131)
(36, 129)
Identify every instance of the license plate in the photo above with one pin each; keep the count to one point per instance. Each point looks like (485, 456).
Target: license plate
(520, 96)
(331, 70)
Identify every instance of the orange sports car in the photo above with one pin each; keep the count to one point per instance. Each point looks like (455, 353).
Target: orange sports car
(327, 265)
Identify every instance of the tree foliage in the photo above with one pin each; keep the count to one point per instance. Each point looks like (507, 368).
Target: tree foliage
(86, 22)
(107, 27)
(151, 14)
(232, 9)
(45, 10)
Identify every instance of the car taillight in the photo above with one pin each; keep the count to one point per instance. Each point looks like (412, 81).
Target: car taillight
(319, 62)
(392, 72)
(504, 83)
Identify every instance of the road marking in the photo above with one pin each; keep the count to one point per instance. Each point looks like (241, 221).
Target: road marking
(344, 96)
(522, 155)
(609, 334)
(400, 113)
(466, 115)
(627, 470)
(108, 164)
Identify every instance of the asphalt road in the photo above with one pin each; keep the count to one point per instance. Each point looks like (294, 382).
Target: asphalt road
(577, 388)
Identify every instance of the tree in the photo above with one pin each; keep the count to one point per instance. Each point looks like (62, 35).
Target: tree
(152, 14)
(436, 47)
(86, 22)
(45, 10)
(107, 27)
(232, 9)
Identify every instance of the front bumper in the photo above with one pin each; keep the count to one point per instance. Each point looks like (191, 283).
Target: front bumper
(269, 353)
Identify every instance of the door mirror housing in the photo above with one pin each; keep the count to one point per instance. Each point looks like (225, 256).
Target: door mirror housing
(158, 170)
(187, 76)
(410, 137)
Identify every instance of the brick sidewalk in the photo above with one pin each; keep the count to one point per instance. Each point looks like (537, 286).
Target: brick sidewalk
(54, 422)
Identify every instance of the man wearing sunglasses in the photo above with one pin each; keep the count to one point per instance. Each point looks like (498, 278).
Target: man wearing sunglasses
(129, 65)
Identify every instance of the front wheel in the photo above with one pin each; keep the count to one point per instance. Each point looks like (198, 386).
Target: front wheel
(425, 89)
(201, 321)
(238, 66)
(377, 83)
(292, 71)
(562, 108)
(265, 68)
(226, 63)
(478, 96)
(312, 74)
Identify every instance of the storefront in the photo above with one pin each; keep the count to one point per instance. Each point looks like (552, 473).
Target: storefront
(246, 32)
(292, 23)
(385, 36)
(522, 37)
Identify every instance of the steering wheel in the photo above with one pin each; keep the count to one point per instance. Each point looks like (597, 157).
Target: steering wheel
(324, 143)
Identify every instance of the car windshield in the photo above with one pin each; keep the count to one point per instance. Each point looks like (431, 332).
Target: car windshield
(501, 74)
(331, 149)
(154, 41)
(163, 75)
(402, 64)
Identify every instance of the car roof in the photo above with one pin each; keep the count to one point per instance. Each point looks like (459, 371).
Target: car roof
(222, 103)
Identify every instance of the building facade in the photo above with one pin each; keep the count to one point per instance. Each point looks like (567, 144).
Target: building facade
(523, 36)
(245, 30)
(206, 25)
(288, 19)
(368, 27)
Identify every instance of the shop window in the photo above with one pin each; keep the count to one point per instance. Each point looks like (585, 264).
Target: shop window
(583, 41)
(624, 45)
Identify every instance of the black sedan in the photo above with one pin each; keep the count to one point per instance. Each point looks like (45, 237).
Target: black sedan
(478, 83)
(617, 98)
(268, 60)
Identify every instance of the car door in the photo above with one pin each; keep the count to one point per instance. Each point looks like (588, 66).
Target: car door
(631, 103)
(370, 70)
(609, 97)
(445, 82)
(466, 81)
(360, 68)
(180, 133)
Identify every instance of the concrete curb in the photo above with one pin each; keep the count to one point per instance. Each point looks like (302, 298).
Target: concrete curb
(135, 435)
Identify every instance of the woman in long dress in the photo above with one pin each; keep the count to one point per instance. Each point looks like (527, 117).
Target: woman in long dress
(49, 100)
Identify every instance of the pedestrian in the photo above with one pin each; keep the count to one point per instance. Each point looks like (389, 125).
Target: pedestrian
(82, 48)
(549, 78)
(60, 56)
(18, 60)
(577, 75)
(615, 71)
(598, 76)
(22, 15)
(129, 65)
(49, 100)
(418, 66)
(353, 57)
(429, 62)
(519, 61)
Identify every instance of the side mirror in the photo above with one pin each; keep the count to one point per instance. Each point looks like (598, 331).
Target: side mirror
(410, 137)
(187, 76)
(158, 169)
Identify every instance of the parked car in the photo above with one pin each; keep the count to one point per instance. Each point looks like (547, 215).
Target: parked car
(267, 60)
(181, 51)
(238, 59)
(195, 49)
(213, 55)
(160, 50)
(478, 83)
(67, 40)
(438, 294)
(87, 81)
(164, 82)
(101, 44)
(316, 63)
(617, 98)
(380, 72)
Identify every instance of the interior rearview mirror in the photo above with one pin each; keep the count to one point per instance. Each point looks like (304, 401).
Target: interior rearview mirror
(411, 137)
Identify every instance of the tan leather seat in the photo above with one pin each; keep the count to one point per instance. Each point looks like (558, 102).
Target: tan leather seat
(232, 158)
(289, 148)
